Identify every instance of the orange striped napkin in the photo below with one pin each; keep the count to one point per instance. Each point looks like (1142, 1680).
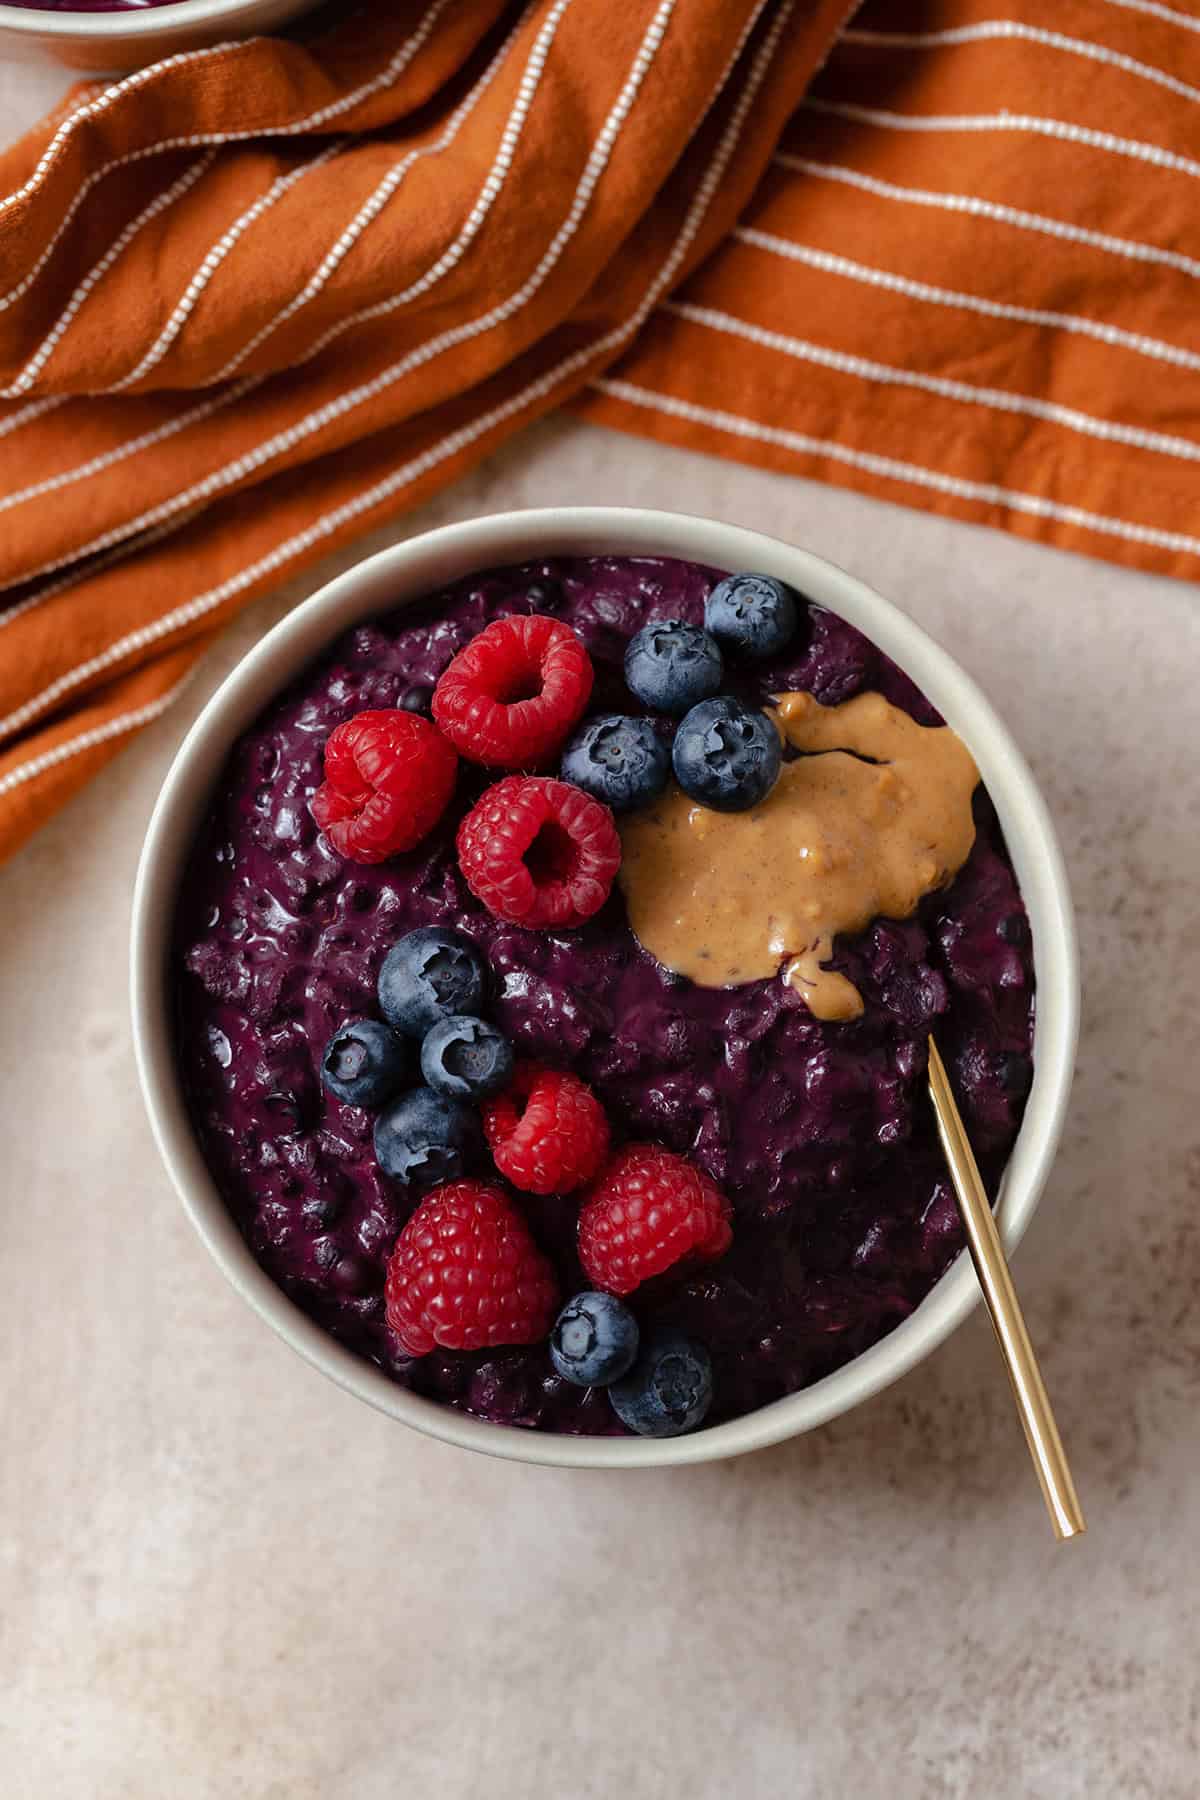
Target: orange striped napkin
(254, 300)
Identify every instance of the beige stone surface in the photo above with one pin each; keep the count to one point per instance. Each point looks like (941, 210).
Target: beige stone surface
(222, 1577)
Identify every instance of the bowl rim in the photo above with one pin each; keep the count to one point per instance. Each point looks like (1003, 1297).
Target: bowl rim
(151, 22)
(417, 566)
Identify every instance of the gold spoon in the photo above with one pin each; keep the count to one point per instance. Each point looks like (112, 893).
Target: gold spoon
(987, 1253)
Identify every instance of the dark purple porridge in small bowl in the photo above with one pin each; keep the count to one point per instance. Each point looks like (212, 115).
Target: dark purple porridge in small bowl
(791, 1208)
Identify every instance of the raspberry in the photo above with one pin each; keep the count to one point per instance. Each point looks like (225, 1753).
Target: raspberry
(388, 779)
(466, 1274)
(539, 852)
(547, 1131)
(511, 696)
(648, 1210)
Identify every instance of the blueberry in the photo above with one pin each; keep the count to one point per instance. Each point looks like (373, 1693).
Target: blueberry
(429, 975)
(671, 665)
(669, 1389)
(752, 615)
(726, 755)
(619, 760)
(1013, 929)
(594, 1341)
(365, 1063)
(466, 1057)
(425, 1137)
(417, 699)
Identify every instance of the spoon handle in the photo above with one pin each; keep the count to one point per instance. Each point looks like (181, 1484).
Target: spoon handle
(987, 1253)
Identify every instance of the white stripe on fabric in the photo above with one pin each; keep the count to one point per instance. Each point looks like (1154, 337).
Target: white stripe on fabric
(88, 740)
(1104, 333)
(96, 566)
(491, 188)
(991, 30)
(976, 207)
(284, 441)
(53, 484)
(88, 569)
(20, 607)
(92, 109)
(890, 468)
(394, 69)
(488, 194)
(334, 109)
(843, 362)
(1005, 121)
(1156, 11)
(34, 410)
(23, 286)
(210, 263)
(384, 192)
(41, 356)
(465, 436)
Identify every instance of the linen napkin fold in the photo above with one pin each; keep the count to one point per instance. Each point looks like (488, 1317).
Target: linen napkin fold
(255, 299)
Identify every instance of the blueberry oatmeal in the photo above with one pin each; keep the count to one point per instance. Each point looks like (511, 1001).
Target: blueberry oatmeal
(553, 974)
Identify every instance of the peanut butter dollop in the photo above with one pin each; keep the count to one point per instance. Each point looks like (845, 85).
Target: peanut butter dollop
(875, 815)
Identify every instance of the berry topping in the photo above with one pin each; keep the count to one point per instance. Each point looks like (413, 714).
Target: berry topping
(619, 760)
(465, 1274)
(511, 696)
(467, 1058)
(752, 615)
(388, 779)
(671, 665)
(648, 1211)
(669, 1389)
(538, 852)
(726, 755)
(594, 1341)
(434, 973)
(417, 699)
(1013, 928)
(548, 1133)
(365, 1063)
(425, 1137)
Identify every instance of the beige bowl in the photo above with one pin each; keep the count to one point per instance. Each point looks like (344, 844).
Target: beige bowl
(108, 42)
(419, 567)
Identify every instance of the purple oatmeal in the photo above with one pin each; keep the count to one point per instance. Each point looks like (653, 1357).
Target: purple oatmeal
(819, 1133)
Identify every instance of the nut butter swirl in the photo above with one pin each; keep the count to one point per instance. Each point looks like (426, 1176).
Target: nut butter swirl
(872, 816)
